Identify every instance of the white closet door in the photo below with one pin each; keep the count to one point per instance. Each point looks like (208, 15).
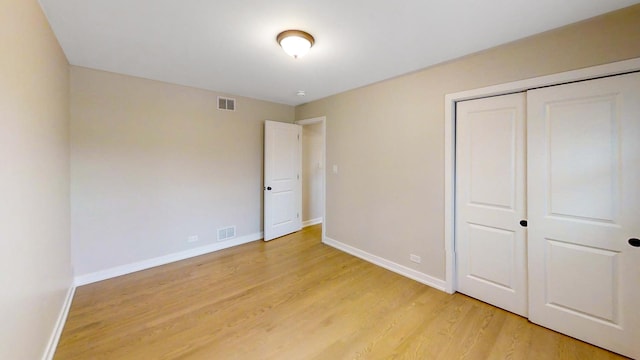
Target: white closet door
(490, 201)
(584, 206)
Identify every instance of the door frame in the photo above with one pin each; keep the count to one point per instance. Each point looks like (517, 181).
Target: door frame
(323, 196)
(450, 100)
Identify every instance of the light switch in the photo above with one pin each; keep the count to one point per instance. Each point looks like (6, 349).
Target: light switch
(335, 169)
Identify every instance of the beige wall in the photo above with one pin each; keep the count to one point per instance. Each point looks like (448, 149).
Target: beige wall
(388, 138)
(312, 143)
(155, 163)
(35, 264)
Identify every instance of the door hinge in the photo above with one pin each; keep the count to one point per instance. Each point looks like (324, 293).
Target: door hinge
(297, 215)
(298, 137)
(298, 176)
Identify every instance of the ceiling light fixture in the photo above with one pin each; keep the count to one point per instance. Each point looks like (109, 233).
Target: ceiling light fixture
(295, 42)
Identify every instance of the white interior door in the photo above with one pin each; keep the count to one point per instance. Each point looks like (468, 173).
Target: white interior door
(282, 186)
(584, 206)
(490, 201)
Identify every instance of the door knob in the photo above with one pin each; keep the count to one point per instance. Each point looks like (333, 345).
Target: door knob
(523, 223)
(268, 187)
(634, 242)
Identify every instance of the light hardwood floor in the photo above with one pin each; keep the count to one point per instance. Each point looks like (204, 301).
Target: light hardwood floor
(294, 298)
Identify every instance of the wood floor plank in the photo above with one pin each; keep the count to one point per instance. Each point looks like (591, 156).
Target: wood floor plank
(294, 298)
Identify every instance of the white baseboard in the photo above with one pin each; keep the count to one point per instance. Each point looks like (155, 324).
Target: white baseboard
(162, 260)
(389, 265)
(57, 330)
(312, 222)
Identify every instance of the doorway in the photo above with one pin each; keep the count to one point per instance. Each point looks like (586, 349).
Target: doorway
(313, 171)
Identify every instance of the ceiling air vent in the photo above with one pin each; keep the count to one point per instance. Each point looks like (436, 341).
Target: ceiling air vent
(226, 103)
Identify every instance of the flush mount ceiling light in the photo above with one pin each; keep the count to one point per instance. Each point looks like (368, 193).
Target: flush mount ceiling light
(295, 42)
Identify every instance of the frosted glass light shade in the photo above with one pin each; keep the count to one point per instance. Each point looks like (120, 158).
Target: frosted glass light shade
(296, 43)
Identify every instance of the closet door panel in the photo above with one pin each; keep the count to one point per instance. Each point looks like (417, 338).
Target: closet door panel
(583, 206)
(490, 185)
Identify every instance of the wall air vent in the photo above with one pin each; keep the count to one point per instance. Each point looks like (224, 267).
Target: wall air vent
(226, 233)
(228, 104)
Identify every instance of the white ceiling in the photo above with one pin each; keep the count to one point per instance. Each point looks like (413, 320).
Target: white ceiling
(230, 46)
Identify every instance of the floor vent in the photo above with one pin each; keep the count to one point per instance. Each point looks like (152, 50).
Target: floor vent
(226, 233)
(228, 104)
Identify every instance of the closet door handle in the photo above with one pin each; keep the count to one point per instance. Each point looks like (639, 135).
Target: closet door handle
(523, 223)
(634, 242)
